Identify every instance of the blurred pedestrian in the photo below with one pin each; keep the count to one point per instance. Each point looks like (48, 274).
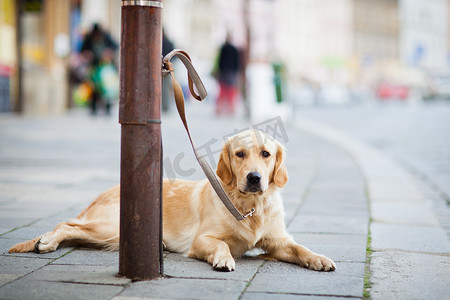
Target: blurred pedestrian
(99, 50)
(227, 72)
(166, 94)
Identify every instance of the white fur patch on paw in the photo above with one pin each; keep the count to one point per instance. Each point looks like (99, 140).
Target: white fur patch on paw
(225, 264)
(46, 244)
(320, 263)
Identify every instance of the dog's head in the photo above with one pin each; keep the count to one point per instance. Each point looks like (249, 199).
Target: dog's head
(251, 161)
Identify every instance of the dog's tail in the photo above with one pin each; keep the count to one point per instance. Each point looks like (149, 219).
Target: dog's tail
(27, 246)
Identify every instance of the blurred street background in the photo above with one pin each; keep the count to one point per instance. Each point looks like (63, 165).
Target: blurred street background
(295, 52)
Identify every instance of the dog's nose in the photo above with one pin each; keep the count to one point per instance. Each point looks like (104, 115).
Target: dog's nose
(254, 178)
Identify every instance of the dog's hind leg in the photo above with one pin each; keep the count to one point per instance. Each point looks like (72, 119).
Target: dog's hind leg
(92, 232)
(47, 242)
(97, 233)
(64, 231)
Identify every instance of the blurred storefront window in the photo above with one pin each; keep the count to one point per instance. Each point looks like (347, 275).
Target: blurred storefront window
(7, 52)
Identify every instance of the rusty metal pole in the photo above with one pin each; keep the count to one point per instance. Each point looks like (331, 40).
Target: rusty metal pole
(139, 115)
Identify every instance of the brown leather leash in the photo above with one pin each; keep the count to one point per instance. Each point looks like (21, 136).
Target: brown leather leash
(194, 80)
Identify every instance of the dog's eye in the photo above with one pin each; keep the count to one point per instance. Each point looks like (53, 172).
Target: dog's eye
(240, 154)
(265, 154)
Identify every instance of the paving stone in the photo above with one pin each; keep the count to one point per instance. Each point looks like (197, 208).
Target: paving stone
(25, 233)
(290, 210)
(404, 275)
(132, 298)
(13, 268)
(334, 197)
(91, 188)
(21, 265)
(319, 223)
(6, 278)
(394, 191)
(308, 282)
(176, 265)
(48, 223)
(13, 222)
(70, 196)
(82, 192)
(381, 169)
(35, 176)
(25, 214)
(403, 213)
(335, 208)
(339, 176)
(180, 288)
(5, 199)
(409, 238)
(330, 239)
(13, 190)
(297, 185)
(4, 231)
(45, 290)
(293, 199)
(80, 274)
(91, 257)
(342, 269)
(343, 248)
(282, 296)
(356, 187)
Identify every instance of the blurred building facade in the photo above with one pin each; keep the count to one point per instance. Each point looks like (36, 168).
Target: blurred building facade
(424, 34)
(343, 41)
(316, 38)
(37, 38)
(8, 52)
(376, 30)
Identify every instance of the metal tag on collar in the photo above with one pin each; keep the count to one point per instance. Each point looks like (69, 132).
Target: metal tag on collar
(249, 214)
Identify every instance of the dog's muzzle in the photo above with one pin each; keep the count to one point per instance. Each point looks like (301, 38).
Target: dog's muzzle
(253, 182)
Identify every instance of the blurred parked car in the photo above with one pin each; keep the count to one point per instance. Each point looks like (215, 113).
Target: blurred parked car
(387, 91)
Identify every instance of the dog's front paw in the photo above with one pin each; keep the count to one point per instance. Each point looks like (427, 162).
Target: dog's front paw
(319, 263)
(223, 263)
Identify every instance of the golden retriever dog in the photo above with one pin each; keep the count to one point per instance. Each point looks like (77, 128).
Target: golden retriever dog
(252, 171)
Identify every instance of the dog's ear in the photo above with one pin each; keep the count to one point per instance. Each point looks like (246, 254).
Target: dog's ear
(280, 174)
(224, 166)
